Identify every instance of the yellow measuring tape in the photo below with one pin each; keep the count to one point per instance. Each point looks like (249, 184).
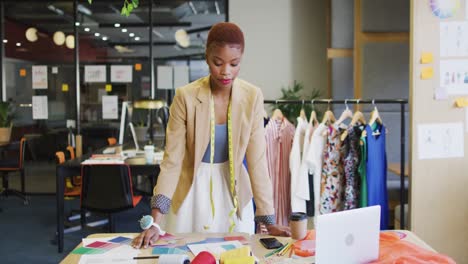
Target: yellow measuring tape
(231, 164)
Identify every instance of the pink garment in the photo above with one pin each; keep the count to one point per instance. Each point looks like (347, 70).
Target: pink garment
(279, 135)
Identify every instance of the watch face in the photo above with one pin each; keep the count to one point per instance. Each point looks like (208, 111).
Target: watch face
(146, 222)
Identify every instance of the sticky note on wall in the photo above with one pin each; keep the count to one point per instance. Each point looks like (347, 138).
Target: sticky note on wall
(427, 73)
(427, 57)
(64, 87)
(108, 87)
(461, 102)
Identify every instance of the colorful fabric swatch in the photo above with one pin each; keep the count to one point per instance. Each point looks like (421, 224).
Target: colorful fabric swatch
(103, 245)
(121, 240)
(84, 250)
(165, 251)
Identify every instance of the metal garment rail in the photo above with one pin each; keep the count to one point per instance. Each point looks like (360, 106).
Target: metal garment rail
(401, 102)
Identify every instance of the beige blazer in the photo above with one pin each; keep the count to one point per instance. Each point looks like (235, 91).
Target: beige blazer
(188, 135)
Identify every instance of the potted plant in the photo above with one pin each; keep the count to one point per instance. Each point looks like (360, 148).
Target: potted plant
(6, 121)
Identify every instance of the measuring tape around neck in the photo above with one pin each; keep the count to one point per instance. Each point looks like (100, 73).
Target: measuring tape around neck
(232, 183)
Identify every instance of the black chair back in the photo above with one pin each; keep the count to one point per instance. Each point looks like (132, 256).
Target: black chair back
(106, 188)
(13, 155)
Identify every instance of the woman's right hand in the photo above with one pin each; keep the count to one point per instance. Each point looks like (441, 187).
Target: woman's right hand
(145, 238)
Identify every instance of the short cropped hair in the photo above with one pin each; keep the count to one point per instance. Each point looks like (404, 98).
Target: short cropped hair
(225, 33)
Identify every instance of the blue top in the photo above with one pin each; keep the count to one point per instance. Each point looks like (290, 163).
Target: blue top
(221, 146)
(376, 169)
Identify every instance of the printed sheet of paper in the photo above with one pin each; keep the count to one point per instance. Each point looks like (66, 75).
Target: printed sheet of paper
(453, 39)
(440, 140)
(165, 77)
(110, 107)
(95, 74)
(40, 107)
(121, 73)
(454, 76)
(39, 77)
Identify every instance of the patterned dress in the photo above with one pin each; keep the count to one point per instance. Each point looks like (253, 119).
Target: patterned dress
(351, 155)
(331, 185)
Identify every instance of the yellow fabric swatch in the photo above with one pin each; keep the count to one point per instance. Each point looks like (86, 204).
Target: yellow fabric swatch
(241, 260)
(427, 57)
(235, 253)
(427, 73)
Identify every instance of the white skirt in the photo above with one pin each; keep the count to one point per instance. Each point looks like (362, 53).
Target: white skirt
(195, 212)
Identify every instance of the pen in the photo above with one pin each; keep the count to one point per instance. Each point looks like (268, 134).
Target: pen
(147, 257)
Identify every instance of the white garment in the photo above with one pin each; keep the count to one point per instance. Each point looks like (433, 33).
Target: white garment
(195, 211)
(314, 161)
(299, 180)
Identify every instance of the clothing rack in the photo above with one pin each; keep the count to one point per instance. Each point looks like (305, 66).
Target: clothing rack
(401, 102)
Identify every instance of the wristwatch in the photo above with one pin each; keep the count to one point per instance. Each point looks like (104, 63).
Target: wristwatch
(147, 221)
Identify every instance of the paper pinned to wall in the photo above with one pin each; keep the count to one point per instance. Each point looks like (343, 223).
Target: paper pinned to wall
(165, 77)
(441, 94)
(39, 77)
(440, 140)
(454, 76)
(110, 107)
(427, 73)
(95, 73)
(40, 107)
(427, 57)
(122, 73)
(453, 39)
(181, 76)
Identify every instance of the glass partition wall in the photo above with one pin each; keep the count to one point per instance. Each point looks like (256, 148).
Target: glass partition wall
(114, 60)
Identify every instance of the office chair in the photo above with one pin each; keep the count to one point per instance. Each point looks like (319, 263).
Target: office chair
(14, 162)
(71, 155)
(70, 190)
(107, 188)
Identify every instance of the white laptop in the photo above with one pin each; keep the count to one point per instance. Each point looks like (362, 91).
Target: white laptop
(348, 237)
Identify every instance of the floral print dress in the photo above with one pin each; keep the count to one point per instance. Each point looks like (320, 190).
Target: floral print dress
(351, 153)
(332, 178)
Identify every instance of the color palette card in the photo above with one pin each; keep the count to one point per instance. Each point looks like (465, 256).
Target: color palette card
(241, 239)
(89, 251)
(121, 240)
(103, 245)
(165, 251)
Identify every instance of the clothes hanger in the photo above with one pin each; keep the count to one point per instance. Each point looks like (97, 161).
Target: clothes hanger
(357, 117)
(345, 115)
(328, 117)
(277, 114)
(375, 116)
(313, 116)
(303, 113)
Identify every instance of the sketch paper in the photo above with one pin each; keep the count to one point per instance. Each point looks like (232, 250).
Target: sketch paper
(40, 107)
(110, 107)
(121, 73)
(454, 76)
(39, 77)
(453, 39)
(440, 140)
(95, 73)
(214, 248)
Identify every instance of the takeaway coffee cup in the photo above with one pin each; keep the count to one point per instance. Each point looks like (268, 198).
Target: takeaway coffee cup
(149, 153)
(298, 225)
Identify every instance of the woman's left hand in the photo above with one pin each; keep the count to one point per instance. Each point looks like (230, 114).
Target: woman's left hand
(277, 230)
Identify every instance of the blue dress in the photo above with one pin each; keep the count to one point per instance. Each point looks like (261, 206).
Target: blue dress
(376, 168)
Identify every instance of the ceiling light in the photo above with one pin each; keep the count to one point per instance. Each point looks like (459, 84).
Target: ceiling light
(5, 41)
(157, 33)
(137, 38)
(55, 10)
(124, 30)
(116, 25)
(31, 34)
(217, 8)
(86, 29)
(97, 34)
(182, 38)
(104, 38)
(84, 10)
(18, 44)
(59, 38)
(77, 24)
(70, 42)
(131, 35)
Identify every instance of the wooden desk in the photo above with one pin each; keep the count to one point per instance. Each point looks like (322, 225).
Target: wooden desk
(138, 166)
(258, 250)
